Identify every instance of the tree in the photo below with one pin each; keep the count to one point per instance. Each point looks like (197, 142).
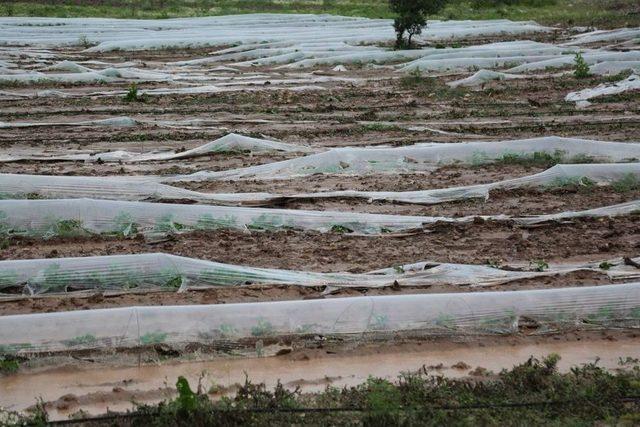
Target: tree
(412, 17)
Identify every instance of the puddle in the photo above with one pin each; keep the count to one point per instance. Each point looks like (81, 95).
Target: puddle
(96, 389)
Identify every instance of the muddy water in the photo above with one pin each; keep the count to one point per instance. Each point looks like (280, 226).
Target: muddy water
(96, 389)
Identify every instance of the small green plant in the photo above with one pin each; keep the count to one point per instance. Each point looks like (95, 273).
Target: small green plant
(86, 339)
(153, 338)
(538, 158)
(539, 265)
(166, 224)
(493, 263)
(414, 78)
(187, 400)
(8, 365)
(132, 94)
(66, 228)
(266, 222)
(208, 222)
(125, 225)
(581, 68)
(604, 265)
(379, 127)
(337, 228)
(263, 328)
(573, 182)
(84, 41)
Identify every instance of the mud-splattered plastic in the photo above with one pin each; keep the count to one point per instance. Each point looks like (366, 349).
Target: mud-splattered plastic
(425, 314)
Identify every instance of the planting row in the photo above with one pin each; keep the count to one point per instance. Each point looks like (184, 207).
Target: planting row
(159, 271)
(232, 324)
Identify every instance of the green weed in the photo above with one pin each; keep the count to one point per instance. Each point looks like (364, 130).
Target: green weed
(581, 68)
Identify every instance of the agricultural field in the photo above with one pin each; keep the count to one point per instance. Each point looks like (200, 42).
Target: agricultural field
(284, 210)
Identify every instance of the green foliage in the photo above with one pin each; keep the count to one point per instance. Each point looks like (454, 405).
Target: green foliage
(597, 13)
(263, 328)
(208, 222)
(629, 182)
(153, 338)
(500, 3)
(581, 68)
(341, 229)
(411, 18)
(585, 395)
(125, 225)
(166, 224)
(573, 182)
(84, 41)
(383, 400)
(379, 127)
(539, 265)
(132, 94)
(187, 399)
(8, 365)
(81, 340)
(267, 222)
(538, 158)
(604, 265)
(66, 228)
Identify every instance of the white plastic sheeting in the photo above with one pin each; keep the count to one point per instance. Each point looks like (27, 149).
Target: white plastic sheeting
(190, 90)
(72, 217)
(492, 55)
(591, 57)
(75, 217)
(158, 271)
(108, 75)
(557, 175)
(617, 35)
(128, 34)
(142, 188)
(482, 77)
(614, 67)
(426, 314)
(426, 157)
(18, 186)
(123, 121)
(629, 84)
(230, 143)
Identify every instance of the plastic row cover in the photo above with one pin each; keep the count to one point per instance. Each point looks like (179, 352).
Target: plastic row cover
(191, 90)
(617, 35)
(137, 188)
(426, 314)
(556, 176)
(107, 75)
(128, 34)
(230, 143)
(159, 271)
(73, 217)
(629, 84)
(123, 121)
(20, 186)
(428, 156)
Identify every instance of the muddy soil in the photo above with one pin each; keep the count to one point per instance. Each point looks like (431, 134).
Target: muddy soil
(474, 243)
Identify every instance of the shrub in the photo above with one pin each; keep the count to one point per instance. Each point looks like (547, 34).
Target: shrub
(411, 18)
